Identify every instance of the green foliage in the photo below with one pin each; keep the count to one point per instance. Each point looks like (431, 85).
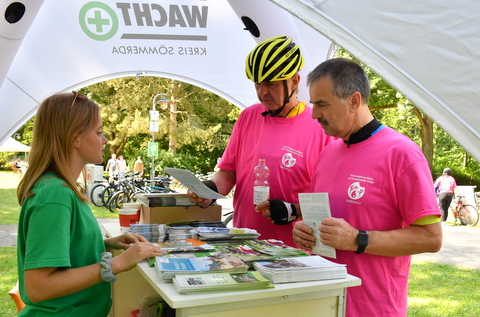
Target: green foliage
(5, 160)
(196, 123)
(25, 133)
(192, 162)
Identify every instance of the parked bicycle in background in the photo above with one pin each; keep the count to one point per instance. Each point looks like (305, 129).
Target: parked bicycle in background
(467, 214)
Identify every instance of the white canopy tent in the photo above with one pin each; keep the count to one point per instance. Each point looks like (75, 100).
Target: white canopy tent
(428, 50)
(11, 145)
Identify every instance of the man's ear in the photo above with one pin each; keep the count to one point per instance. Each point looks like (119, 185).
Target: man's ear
(355, 101)
(295, 81)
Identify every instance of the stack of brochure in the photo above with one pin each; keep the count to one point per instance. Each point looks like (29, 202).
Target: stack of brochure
(168, 267)
(300, 269)
(218, 234)
(151, 232)
(275, 247)
(244, 252)
(181, 233)
(164, 199)
(194, 283)
(185, 246)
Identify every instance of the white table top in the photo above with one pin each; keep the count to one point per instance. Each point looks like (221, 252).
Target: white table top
(175, 300)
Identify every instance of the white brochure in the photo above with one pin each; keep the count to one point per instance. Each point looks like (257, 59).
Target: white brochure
(316, 207)
(188, 179)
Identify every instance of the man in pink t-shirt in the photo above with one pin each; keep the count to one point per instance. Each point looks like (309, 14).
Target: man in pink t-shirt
(280, 130)
(378, 181)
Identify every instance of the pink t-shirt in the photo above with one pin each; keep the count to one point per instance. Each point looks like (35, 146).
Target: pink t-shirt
(446, 184)
(382, 183)
(290, 147)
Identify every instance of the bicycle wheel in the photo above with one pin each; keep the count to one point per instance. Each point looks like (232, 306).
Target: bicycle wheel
(96, 195)
(468, 215)
(107, 193)
(117, 200)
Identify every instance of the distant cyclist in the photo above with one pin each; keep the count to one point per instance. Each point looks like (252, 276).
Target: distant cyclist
(445, 184)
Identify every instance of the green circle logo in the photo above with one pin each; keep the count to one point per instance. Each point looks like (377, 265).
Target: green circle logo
(98, 21)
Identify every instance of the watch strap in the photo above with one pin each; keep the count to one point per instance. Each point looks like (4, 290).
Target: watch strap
(362, 241)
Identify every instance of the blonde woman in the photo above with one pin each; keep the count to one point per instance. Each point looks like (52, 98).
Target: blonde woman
(64, 267)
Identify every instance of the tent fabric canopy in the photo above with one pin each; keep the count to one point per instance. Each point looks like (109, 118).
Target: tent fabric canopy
(426, 50)
(11, 145)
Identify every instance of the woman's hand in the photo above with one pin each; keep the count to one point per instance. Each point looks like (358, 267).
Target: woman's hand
(123, 241)
(135, 253)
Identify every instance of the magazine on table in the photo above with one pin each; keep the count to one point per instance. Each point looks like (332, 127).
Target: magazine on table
(194, 283)
(300, 269)
(225, 234)
(316, 207)
(168, 267)
(244, 252)
(185, 246)
(275, 247)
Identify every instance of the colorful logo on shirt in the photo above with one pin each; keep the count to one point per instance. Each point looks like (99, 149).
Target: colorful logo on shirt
(355, 191)
(288, 160)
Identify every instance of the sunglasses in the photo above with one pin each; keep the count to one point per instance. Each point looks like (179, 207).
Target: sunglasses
(77, 96)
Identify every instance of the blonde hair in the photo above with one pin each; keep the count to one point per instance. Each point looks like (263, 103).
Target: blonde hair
(59, 120)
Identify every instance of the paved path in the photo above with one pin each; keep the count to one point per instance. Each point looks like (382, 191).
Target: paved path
(461, 245)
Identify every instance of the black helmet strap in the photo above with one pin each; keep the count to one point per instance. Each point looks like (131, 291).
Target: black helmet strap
(287, 100)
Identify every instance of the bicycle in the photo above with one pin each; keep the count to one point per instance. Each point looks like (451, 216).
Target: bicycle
(465, 213)
(97, 192)
(130, 186)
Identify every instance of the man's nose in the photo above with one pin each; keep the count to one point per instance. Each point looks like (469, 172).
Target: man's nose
(262, 89)
(316, 113)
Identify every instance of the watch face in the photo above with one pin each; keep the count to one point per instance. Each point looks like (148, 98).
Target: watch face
(362, 239)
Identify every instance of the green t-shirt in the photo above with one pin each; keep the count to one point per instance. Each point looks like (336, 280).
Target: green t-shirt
(56, 229)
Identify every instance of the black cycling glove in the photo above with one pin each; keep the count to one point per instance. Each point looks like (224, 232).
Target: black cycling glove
(211, 184)
(281, 212)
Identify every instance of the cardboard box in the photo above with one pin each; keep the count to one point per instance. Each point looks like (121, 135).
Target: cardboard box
(163, 215)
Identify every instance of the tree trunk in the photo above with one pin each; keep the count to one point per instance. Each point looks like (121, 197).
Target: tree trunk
(172, 143)
(426, 135)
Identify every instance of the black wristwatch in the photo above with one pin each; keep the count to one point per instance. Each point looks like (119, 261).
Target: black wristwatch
(362, 241)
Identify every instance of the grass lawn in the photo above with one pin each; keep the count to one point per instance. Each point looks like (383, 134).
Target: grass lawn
(436, 290)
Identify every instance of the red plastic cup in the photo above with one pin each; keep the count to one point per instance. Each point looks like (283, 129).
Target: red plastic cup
(127, 217)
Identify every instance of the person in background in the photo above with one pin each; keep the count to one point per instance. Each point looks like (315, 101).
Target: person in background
(446, 184)
(112, 167)
(20, 165)
(122, 165)
(380, 191)
(280, 130)
(139, 166)
(65, 267)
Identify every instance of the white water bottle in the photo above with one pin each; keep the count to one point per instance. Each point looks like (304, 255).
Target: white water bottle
(261, 188)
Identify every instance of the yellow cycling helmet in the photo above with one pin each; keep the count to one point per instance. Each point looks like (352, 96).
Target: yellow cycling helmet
(274, 59)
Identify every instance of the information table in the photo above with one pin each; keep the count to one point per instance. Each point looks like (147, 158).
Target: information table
(316, 298)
